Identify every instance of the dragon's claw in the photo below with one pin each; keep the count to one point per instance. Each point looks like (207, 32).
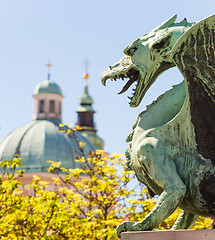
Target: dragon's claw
(129, 226)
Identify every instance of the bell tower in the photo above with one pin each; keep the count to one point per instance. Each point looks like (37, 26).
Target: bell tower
(48, 100)
(86, 117)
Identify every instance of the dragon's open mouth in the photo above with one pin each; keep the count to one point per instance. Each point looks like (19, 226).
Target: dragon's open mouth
(134, 73)
(131, 73)
(133, 76)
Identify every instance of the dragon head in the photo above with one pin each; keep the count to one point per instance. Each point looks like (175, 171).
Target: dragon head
(146, 58)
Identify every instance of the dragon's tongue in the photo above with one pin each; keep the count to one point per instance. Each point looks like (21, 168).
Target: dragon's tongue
(127, 85)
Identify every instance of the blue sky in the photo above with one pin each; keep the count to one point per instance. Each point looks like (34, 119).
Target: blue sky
(67, 32)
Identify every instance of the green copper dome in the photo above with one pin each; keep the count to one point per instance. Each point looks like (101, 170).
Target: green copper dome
(40, 141)
(86, 98)
(47, 86)
(86, 102)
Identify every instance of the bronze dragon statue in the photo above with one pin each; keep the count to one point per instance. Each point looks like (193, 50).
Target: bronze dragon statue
(172, 148)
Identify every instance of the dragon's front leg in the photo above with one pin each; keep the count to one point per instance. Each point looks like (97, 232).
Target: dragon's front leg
(184, 221)
(163, 172)
(167, 204)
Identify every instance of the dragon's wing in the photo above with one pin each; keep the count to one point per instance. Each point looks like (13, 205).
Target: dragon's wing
(194, 55)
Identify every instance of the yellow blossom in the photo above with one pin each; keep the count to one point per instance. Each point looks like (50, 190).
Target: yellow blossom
(56, 180)
(77, 128)
(82, 144)
(68, 131)
(36, 178)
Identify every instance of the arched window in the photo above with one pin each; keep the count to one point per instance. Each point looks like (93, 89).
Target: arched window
(59, 109)
(52, 106)
(41, 106)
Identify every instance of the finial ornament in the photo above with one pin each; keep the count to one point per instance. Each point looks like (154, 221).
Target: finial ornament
(49, 65)
(86, 75)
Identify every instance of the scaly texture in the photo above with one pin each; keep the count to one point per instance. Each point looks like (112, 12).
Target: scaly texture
(172, 142)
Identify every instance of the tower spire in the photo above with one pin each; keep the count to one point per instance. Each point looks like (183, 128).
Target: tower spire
(86, 114)
(49, 65)
(86, 75)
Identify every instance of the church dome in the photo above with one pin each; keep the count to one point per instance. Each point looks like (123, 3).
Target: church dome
(40, 141)
(47, 86)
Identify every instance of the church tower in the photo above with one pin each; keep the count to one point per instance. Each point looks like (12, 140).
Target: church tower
(86, 117)
(47, 100)
(40, 140)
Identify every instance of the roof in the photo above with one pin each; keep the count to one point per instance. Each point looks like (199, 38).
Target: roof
(85, 108)
(39, 141)
(86, 98)
(48, 86)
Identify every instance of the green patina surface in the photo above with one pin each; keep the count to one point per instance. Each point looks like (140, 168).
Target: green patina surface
(39, 141)
(172, 142)
(47, 86)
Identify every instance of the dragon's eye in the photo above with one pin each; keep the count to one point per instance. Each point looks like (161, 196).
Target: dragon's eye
(132, 50)
(159, 45)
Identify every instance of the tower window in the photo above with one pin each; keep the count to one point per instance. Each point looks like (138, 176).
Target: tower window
(59, 108)
(41, 106)
(52, 106)
(85, 119)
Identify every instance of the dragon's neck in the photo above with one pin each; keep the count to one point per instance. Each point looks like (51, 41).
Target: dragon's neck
(165, 108)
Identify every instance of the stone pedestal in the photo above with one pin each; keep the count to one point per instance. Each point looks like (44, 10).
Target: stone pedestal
(204, 234)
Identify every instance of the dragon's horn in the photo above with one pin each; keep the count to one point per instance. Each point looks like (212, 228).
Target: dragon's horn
(184, 21)
(167, 23)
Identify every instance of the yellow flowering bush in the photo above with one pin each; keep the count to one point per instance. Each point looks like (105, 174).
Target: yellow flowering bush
(87, 203)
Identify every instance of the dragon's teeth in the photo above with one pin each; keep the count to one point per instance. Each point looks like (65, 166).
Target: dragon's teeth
(130, 98)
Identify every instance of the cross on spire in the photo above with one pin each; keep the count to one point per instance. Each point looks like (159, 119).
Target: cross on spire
(86, 75)
(49, 65)
(86, 64)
